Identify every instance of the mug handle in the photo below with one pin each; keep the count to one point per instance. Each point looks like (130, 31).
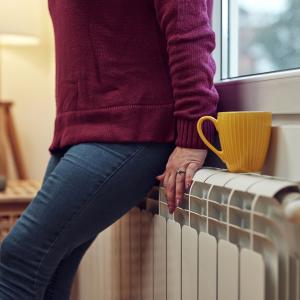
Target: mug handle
(204, 139)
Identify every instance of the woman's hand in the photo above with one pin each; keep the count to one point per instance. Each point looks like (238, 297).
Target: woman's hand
(187, 159)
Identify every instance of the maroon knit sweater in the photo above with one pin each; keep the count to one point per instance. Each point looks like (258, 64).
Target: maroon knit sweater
(138, 72)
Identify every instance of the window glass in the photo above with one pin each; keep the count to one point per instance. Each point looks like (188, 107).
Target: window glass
(264, 36)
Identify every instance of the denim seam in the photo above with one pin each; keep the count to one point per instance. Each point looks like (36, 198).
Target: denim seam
(89, 197)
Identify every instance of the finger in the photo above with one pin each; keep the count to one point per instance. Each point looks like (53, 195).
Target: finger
(190, 172)
(170, 192)
(160, 177)
(166, 179)
(164, 182)
(179, 189)
(161, 183)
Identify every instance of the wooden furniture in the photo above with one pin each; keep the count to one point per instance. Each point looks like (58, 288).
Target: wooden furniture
(3, 163)
(13, 200)
(8, 137)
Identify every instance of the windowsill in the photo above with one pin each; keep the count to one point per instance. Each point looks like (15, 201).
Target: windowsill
(277, 92)
(288, 74)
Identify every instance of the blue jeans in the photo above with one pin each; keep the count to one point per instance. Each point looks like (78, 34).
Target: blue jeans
(86, 188)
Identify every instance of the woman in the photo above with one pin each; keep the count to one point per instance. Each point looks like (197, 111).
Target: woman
(131, 83)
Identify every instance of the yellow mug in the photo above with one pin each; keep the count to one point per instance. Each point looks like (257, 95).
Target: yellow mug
(244, 138)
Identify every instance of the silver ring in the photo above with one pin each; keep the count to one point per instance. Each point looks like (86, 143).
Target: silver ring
(179, 171)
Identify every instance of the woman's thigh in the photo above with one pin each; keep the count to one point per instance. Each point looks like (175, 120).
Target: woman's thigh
(60, 283)
(92, 186)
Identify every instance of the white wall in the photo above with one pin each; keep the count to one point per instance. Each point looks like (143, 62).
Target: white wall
(28, 80)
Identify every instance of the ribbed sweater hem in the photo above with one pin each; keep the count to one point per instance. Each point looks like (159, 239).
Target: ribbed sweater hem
(126, 123)
(151, 123)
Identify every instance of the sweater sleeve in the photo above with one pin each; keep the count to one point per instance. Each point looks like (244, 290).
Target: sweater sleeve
(190, 40)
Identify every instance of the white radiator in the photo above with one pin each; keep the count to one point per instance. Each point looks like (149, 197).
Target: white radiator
(229, 240)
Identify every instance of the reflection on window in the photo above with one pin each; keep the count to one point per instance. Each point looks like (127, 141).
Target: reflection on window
(264, 36)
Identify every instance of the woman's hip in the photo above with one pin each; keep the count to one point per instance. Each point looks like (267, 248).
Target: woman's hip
(91, 186)
(86, 190)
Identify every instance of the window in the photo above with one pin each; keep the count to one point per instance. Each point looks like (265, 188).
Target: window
(256, 36)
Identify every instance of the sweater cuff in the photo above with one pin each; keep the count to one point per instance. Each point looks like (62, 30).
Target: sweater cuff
(187, 134)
